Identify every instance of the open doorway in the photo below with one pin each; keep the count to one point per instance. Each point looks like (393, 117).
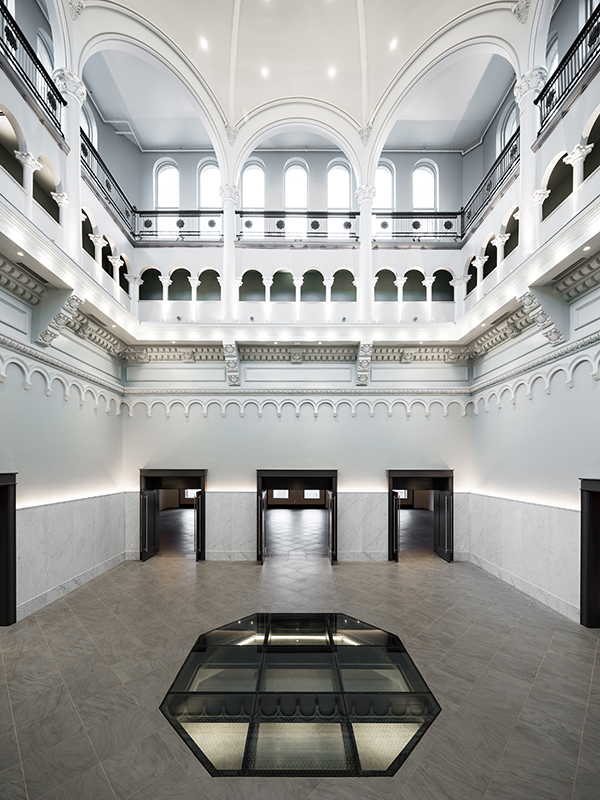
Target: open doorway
(8, 548)
(590, 553)
(172, 518)
(420, 512)
(296, 514)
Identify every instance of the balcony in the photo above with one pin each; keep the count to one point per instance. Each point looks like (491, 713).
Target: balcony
(20, 62)
(284, 227)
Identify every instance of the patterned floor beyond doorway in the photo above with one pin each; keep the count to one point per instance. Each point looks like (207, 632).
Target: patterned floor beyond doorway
(519, 684)
(297, 532)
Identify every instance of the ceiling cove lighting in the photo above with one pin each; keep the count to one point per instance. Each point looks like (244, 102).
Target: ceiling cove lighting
(300, 695)
(264, 72)
(393, 44)
(331, 72)
(203, 43)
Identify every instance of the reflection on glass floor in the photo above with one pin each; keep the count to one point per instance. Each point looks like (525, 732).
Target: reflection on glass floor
(300, 694)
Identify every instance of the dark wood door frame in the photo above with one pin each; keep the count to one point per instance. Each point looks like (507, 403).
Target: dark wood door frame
(8, 548)
(426, 479)
(329, 476)
(151, 479)
(590, 553)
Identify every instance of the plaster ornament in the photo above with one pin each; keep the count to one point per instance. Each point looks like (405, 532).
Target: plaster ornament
(229, 191)
(194, 282)
(532, 81)
(328, 282)
(232, 133)
(578, 153)
(133, 280)
(462, 280)
(540, 195)
(501, 239)
(479, 261)
(27, 159)
(68, 83)
(428, 282)
(97, 239)
(365, 192)
(76, 7)
(165, 281)
(60, 198)
(521, 10)
(399, 282)
(365, 134)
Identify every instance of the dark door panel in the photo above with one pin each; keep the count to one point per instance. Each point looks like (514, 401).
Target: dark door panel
(149, 516)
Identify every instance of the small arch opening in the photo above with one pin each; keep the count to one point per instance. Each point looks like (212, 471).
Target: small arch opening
(560, 184)
(283, 289)
(210, 288)
(180, 289)
(123, 271)
(87, 230)
(252, 288)
(343, 289)
(312, 290)
(151, 288)
(385, 289)
(44, 183)
(492, 259)
(9, 142)
(472, 273)
(592, 162)
(414, 291)
(512, 228)
(442, 291)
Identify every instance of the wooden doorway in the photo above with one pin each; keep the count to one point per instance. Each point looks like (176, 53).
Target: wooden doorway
(296, 483)
(152, 481)
(8, 548)
(590, 553)
(438, 481)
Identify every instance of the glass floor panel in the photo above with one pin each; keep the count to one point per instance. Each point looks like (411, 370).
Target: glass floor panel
(300, 695)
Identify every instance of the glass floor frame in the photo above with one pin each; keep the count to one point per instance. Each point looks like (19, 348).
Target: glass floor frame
(300, 695)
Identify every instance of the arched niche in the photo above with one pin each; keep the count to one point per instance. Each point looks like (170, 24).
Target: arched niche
(442, 291)
(385, 289)
(472, 273)
(9, 142)
(180, 288)
(252, 288)
(46, 181)
(87, 230)
(560, 184)
(512, 228)
(283, 289)
(414, 291)
(492, 258)
(343, 289)
(210, 288)
(123, 271)
(312, 290)
(151, 288)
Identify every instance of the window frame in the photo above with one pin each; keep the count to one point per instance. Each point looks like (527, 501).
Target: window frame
(252, 165)
(386, 165)
(426, 164)
(202, 167)
(160, 166)
(295, 163)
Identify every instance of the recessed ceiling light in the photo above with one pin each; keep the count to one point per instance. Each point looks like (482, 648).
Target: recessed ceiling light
(331, 72)
(264, 72)
(114, 326)
(275, 342)
(420, 342)
(393, 44)
(19, 253)
(172, 342)
(203, 43)
(585, 249)
(483, 324)
(319, 342)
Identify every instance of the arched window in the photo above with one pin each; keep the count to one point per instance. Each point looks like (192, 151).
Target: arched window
(560, 184)
(424, 186)
(167, 185)
(283, 289)
(492, 259)
(208, 187)
(87, 230)
(384, 189)
(87, 123)
(296, 188)
(252, 288)
(592, 161)
(385, 288)
(123, 282)
(442, 291)
(253, 187)
(180, 289)
(44, 183)
(472, 273)
(512, 228)
(312, 290)
(508, 125)
(413, 288)
(8, 144)
(151, 288)
(343, 289)
(210, 288)
(338, 188)
(552, 53)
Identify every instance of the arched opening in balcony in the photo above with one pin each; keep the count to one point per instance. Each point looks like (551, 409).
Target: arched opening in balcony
(442, 291)
(252, 288)
(9, 143)
(210, 288)
(283, 289)
(592, 161)
(512, 228)
(385, 289)
(180, 288)
(313, 290)
(414, 291)
(560, 185)
(46, 181)
(492, 257)
(123, 271)
(108, 250)
(151, 288)
(472, 273)
(87, 230)
(343, 289)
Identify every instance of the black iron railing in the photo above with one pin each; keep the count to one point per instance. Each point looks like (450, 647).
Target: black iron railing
(417, 225)
(584, 51)
(21, 57)
(496, 179)
(178, 226)
(103, 183)
(335, 225)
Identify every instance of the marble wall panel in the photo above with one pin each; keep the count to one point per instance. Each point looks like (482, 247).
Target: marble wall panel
(231, 526)
(362, 526)
(132, 525)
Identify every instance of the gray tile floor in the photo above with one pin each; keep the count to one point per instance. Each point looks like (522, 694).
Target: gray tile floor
(176, 532)
(83, 678)
(416, 529)
(297, 532)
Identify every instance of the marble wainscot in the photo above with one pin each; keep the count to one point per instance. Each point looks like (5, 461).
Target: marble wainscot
(362, 526)
(231, 526)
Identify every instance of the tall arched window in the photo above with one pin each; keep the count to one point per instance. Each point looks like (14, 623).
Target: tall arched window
(253, 188)
(167, 186)
(296, 188)
(209, 185)
(424, 180)
(507, 127)
(338, 197)
(45, 51)
(552, 53)
(384, 189)
(87, 123)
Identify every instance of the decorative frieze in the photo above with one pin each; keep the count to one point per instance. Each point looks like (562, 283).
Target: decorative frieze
(21, 284)
(532, 81)
(307, 353)
(363, 363)
(578, 280)
(538, 315)
(59, 321)
(232, 363)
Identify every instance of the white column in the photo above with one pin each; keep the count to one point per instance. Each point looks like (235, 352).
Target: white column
(229, 195)
(73, 90)
(365, 195)
(328, 283)
(117, 262)
(99, 242)
(166, 282)
(298, 284)
(537, 201)
(30, 165)
(134, 282)
(428, 284)
(460, 293)
(527, 89)
(499, 243)
(237, 282)
(399, 284)
(576, 158)
(62, 201)
(194, 283)
(478, 263)
(267, 283)
(373, 285)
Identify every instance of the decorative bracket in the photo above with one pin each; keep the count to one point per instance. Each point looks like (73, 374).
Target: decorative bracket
(542, 318)
(60, 321)
(232, 363)
(363, 363)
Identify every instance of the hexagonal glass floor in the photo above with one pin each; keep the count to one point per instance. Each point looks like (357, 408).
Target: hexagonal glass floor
(297, 695)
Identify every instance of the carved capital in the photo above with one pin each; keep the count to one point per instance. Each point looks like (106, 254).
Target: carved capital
(194, 282)
(501, 239)
(356, 282)
(237, 282)
(540, 195)
(532, 81)
(365, 134)
(76, 7)
(399, 282)
(462, 280)
(521, 9)
(116, 261)
(374, 280)
(165, 281)
(578, 153)
(267, 282)
(229, 191)
(328, 282)
(428, 282)
(97, 239)
(27, 159)
(68, 83)
(298, 282)
(365, 192)
(517, 214)
(479, 261)
(133, 280)
(232, 133)
(60, 198)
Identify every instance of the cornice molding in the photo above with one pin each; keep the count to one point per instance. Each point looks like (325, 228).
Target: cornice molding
(21, 284)
(579, 280)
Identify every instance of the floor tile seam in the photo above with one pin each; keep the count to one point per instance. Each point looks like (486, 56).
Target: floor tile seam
(587, 705)
(10, 705)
